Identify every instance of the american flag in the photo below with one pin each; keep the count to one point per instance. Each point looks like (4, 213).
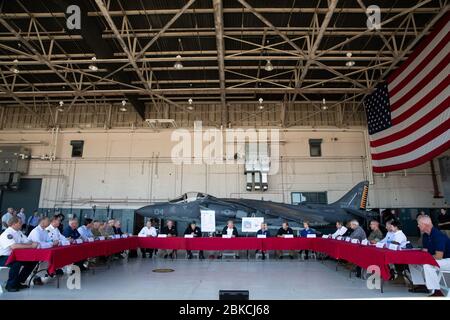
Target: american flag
(408, 116)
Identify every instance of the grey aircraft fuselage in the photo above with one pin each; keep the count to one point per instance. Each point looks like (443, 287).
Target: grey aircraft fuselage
(188, 207)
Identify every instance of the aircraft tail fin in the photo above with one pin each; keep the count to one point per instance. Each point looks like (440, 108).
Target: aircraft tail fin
(356, 198)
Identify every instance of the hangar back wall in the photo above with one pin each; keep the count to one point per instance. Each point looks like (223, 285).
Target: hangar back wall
(126, 169)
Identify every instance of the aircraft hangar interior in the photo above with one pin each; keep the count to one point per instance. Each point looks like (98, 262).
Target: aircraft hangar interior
(224, 149)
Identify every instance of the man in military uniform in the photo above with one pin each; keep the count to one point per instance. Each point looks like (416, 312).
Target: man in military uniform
(12, 238)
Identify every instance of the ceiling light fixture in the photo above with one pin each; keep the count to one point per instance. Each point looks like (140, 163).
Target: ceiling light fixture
(190, 101)
(14, 68)
(178, 65)
(60, 107)
(349, 54)
(324, 106)
(350, 63)
(123, 108)
(260, 100)
(93, 66)
(268, 66)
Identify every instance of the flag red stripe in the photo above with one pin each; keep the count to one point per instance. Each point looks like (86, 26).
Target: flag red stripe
(420, 67)
(413, 127)
(416, 162)
(413, 145)
(422, 83)
(436, 30)
(422, 102)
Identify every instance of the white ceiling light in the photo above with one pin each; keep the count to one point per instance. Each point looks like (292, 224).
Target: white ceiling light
(14, 68)
(350, 63)
(60, 107)
(260, 100)
(190, 101)
(93, 66)
(349, 54)
(324, 106)
(123, 108)
(178, 65)
(268, 66)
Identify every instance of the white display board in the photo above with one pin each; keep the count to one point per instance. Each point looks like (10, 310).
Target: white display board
(251, 224)
(208, 220)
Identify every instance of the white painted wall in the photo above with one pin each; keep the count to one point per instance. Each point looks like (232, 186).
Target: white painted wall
(128, 169)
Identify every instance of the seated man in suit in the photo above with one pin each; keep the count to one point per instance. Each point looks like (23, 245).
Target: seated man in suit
(263, 231)
(285, 230)
(72, 234)
(231, 231)
(171, 231)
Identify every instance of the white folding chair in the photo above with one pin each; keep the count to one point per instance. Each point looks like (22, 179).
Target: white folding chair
(4, 271)
(443, 281)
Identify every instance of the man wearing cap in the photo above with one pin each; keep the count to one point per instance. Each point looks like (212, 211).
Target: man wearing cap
(195, 231)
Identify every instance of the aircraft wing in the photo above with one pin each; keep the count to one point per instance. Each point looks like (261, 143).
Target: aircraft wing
(279, 210)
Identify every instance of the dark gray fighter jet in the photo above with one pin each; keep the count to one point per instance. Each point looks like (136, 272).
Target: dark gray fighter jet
(187, 207)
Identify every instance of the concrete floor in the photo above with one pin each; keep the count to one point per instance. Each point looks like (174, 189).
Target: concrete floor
(194, 279)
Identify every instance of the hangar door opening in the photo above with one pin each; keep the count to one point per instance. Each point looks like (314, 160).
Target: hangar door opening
(26, 197)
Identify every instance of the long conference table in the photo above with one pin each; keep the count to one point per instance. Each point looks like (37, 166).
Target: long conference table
(360, 255)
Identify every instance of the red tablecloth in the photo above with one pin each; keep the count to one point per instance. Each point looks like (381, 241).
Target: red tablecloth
(363, 256)
(59, 257)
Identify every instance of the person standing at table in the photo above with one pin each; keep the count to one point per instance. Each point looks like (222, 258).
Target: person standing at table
(148, 231)
(340, 230)
(231, 231)
(170, 231)
(5, 218)
(33, 221)
(437, 244)
(444, 221)
(304, 234)
(375, 234)
(285, 230)
(21, 214)
(264, 231)
(12, 239)
(85, 230)
(195, 231)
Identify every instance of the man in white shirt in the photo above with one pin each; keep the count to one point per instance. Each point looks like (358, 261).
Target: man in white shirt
(85, 230)
(53, 230)
(41, 235)
(12, 239)
(340, 230)
(147, 231)
(389, 235)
